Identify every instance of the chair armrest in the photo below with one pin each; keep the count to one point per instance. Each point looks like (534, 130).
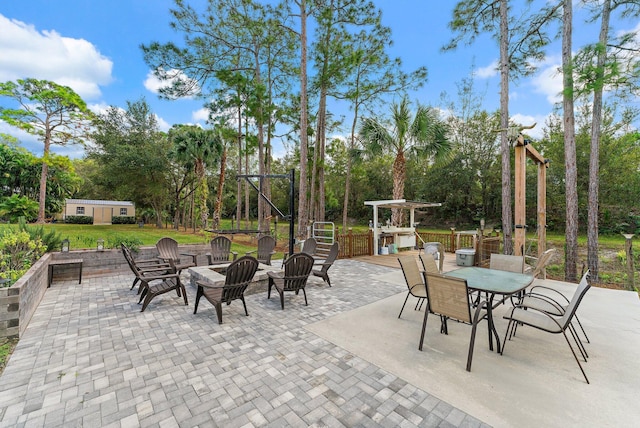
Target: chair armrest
(543, 298)
(155, 264)
(522, 308)
(250, 252)
(155, 268)
(275, 275)
(193, 256)
(167, 276)
(147, 261)
(235, 255)
(205, 284)
(556, 292)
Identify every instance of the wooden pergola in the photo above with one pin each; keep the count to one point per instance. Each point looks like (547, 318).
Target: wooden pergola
(523, 150)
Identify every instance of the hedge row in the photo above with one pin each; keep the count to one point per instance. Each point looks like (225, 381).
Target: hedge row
(118, 219)
(78, 219)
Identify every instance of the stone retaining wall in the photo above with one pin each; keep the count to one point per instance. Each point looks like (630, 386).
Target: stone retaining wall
(19, 302)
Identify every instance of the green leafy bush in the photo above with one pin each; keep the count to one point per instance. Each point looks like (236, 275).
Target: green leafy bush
(117, 219)
(51, 239)
(132, 243)
(78, 219)
(18, 252)
(14, 207)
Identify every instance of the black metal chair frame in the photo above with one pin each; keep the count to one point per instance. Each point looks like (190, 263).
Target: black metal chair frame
(544, 321)
(414, 289)
(441, 301)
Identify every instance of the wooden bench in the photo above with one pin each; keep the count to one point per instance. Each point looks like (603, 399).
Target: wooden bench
(69, 262)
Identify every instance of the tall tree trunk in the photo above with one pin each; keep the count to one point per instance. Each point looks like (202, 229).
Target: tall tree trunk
(221, 178)
(192, 215)
(239, 171)
(261, 161)
(43, 190)
(246, 185)
(399, 174)
(317, 179)
(314, 177)
(571, 171)
(505, 146)
(594, 158)
(203, 191)
(43, 177)
(267, 166)
(320, 148)
(303, 208)
(347, 179)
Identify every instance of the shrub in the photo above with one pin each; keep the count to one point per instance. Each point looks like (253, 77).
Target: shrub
(117, 219)
(78, 219)
(16, 206)
(132, 243)
(52, 240)
(17, 253)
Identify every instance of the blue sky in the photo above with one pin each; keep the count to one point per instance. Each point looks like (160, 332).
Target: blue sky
(93, 47)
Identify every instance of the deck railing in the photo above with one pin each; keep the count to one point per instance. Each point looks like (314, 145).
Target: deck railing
(361, 244)
(355, 244)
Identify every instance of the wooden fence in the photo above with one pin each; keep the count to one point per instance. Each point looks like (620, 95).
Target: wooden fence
(355, 244)
(361, 244)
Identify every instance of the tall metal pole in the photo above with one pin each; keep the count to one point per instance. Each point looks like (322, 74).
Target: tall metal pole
(292, 211)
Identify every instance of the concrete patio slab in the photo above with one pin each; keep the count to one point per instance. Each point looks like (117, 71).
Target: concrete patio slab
(535, 383)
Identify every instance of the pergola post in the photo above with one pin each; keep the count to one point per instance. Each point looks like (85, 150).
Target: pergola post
(520, 196)
(542, 209)
(522, 151)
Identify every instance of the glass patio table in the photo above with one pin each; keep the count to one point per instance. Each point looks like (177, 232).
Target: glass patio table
(492, 282)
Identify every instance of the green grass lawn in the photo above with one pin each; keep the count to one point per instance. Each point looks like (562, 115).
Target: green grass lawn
(85, 236)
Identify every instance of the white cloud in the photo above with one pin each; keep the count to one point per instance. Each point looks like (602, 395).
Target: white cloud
(98, 108)
(548, 81)
(527, 120)
(490, 70)
(200, 115)
(162, 124)
(26, 52)
(154, 83)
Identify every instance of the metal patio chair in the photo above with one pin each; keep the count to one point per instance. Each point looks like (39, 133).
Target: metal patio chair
(414, 280)
(449, 298)
(551, 324)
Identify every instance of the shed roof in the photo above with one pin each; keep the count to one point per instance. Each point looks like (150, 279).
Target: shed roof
(98, 202)
(402, 203)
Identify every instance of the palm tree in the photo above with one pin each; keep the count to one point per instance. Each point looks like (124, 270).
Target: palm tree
(424, 133)
(198, 148)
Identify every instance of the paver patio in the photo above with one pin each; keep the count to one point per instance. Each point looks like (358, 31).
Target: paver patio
(90, 358)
